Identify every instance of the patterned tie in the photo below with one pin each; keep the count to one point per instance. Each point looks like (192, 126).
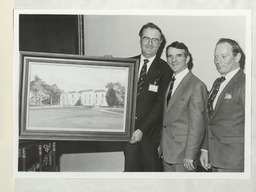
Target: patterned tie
(143, 73)
(170, 90)
(213, 94)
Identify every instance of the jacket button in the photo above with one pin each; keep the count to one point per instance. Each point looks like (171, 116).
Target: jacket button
(164, 126)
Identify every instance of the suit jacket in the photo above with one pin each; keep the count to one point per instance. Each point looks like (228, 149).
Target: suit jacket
(184, 123)
(225, 128)
(149, 106)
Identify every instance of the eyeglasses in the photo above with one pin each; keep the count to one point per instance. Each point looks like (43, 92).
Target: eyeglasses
(146, 39)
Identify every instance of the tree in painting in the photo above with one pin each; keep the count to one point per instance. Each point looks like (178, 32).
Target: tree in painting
(111, 97)
(38, 92)
(43, 93)
(115, 94)
(53, 93)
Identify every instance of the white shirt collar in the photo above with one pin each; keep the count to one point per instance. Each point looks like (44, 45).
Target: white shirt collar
(150, 59)
(181, 75)
(231, 74)
(148, 64)
(178, 79)
(228, 77)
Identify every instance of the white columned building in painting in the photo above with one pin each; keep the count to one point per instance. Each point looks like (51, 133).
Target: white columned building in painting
(87, 97)
(69, 98)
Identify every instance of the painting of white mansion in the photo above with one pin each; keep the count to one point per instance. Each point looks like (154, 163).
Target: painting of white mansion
(87, 97)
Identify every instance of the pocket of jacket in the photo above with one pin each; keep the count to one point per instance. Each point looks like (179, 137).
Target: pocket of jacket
(232, 139)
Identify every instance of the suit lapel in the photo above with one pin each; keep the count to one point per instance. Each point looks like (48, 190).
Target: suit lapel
(152, 68)
(227, 89)
(178, 92)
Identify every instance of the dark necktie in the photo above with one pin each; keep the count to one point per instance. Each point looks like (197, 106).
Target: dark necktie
(213, 94)
(142, 76)
(170, 89)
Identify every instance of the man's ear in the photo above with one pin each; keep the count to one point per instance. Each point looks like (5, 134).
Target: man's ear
(238, 57)
(160, 43)
(187, 59)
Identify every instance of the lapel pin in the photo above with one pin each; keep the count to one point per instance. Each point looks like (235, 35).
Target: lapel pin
(228, 96)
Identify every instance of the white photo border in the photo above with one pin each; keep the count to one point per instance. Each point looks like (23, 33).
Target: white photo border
(248, 122)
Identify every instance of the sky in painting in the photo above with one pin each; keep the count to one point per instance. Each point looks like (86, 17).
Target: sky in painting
(78, 77)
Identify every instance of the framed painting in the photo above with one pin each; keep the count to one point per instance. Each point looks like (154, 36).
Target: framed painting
(73, 97)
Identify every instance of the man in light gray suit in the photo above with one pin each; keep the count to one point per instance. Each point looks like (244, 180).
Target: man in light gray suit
(223, 147)
(183, 119)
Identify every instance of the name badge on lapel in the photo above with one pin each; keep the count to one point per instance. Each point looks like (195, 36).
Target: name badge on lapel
(154, 87)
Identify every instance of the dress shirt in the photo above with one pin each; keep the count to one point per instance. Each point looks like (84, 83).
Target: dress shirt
(228, 77)
(142, 63)
(178, 79)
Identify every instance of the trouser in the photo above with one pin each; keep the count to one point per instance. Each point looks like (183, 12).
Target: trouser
(215, 169)
(142, 157)
(175, 167)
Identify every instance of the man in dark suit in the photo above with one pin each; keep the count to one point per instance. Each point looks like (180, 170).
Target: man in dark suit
(141, 153)
(183, 118)
(223, 147)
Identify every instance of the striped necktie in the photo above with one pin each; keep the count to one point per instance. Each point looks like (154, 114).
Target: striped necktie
(142, 76)
(215, 90)
(170, 89)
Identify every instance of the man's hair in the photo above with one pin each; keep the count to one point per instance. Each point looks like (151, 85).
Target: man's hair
(153, 26)
(235, 49)
(180, 45)
(235, 46)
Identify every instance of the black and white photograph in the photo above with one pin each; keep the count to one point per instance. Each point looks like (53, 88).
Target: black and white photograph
(127, 94)
(111, 110)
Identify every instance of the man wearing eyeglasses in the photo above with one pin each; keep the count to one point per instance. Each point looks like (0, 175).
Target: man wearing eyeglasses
(141, 153)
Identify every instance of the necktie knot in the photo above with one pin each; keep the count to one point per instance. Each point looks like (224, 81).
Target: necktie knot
(145, 61)
(221, 79)
(144, 67)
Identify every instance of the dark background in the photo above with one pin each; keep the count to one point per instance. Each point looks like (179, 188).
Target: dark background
(49, 33)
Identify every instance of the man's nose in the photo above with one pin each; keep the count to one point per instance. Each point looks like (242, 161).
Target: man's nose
(174, 59)
(150, 41)
(217, 60)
